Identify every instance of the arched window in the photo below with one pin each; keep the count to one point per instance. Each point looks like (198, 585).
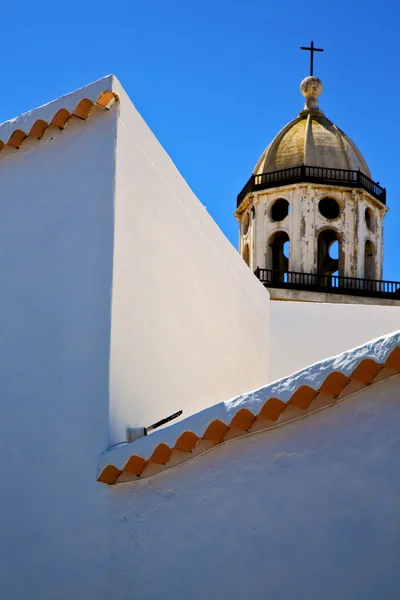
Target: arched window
(329, 253)
(370, 220)
(369, 260)
(246, 223)
(278, 252)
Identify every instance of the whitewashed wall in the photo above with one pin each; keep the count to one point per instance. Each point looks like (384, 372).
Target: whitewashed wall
(283, 512)
(307, 511)
(96, 256)
(303, 333)
(189, 320)
(56, 245)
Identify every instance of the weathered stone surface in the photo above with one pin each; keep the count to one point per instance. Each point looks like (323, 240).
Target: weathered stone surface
(355, 223)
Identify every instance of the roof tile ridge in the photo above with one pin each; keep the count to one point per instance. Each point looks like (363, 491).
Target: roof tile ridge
(59, 119)
(107, 79)
(320, 384)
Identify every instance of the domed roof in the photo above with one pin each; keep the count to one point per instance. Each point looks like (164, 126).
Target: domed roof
(311, 139)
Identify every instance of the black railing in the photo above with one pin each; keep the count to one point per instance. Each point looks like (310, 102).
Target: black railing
(332, 284)
(304, 174)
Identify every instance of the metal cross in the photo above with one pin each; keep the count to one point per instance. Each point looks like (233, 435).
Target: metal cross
(311, 50)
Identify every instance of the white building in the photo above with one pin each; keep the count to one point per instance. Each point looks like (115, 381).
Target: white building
(124, 303)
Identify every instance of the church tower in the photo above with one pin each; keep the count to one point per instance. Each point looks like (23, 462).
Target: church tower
(311, 216)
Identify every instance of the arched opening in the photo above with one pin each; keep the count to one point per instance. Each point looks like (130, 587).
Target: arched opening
(329, 252)
(334, 250)
(369, 260)
(280, 210)
(278, 252)
(246, 223)
(246, 254)
(370, 219)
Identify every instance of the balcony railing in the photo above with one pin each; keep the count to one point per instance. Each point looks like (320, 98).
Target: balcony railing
(330, 284)
(305, 174)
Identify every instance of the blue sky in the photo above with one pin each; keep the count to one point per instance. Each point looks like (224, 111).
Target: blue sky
(216, 80)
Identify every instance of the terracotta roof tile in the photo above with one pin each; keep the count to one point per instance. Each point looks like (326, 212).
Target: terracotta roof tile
(305, 392)
(60, 119)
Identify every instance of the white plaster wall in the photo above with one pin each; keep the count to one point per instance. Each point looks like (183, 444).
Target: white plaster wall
(242, 520)
(189, 319)
(303, 333)
(56, 244)
(132, 299)
(117, 289)
(307, 511)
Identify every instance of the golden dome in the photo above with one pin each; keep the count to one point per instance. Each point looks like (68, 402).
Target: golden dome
(311, 139)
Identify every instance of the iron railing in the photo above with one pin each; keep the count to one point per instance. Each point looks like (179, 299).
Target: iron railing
(304, 174)
(332, 284)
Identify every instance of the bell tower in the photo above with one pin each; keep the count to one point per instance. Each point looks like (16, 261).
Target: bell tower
(311, 217)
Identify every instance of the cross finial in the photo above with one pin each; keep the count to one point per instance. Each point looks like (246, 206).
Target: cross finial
(311, 50)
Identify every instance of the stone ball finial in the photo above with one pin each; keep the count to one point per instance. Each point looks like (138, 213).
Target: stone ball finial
(311, 87)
